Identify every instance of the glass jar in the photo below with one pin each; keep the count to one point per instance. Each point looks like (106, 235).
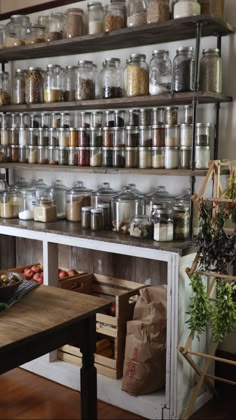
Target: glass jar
(137, 76)
(32, 154)
(33, 136)
(97, 117)
(107, 137)
(66, 119)
(145, 136)
(104, 194)
(95, 136)
(163, 225)
(141, 227)
(106, 208)
(23, 120)
(202, 157)
(45, 211)
(171, 135)
(86, 217)
(183, 69)
(85, 81)
(27, 210)
(118, 157)
(69, 85)
(160, 73)
(107, 157)
(18, 87)
(23, 136)
(158, 116)
(211, 71)
(63, 137)
(42, 156)
(23, 154)
(76, 198)
(43, 20)
(4, 154)
(118, 137)
(73, 137)
(181, 218)
(131, 157)
(158, 11)
(83, 138)
(97, 219)
(188, 114)
(5, 97)
(114, 17)
(145, 157)
(111, 79)
(14, 155)
(133, 117)
(185, 157)
(2, 35)
(171, 157)
(34, 85)
(158, 135)
(144, 116)
(213, 8)
(53, 84)
(95, 157)
(125, 206)
(131, 136)
(171, 115)
(95, 18)
(53, 137)
(35, 120)
(185, 8)
(55, 120)
(43, 137)
(83, 156)
(10, 204)
(158, 157)
(84, 119)
(13, 136)
(35, 35)
(58, 193)
(16, 30)
(186, 135)
(53, 155)
(4, 133)
(203, 134)
(74, 23)
(40, 188)
(63, 156)
(72, 156)
(136, 13)
(55, 26)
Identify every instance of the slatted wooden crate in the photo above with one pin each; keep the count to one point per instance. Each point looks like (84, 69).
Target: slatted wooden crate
(125, 294)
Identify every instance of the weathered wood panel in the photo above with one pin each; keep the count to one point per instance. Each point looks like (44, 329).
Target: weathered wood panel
(7, 252)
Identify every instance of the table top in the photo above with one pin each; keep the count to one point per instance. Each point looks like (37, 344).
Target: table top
(43, 309)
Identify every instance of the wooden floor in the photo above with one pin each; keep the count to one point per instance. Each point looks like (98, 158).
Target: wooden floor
(24, 395)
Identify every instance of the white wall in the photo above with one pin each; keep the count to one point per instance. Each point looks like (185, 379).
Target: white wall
(8, 5)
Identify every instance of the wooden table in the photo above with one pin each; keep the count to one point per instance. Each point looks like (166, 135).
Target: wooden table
(46, 319)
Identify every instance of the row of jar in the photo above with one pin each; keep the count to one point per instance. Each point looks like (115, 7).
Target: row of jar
(109, 157)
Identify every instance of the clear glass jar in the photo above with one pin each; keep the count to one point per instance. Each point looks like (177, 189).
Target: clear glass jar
(5, 97)
(27, 211)
(132, 136)
(4, 154)
(125, 206)
(55, 26)
(45, 211)
(203, 134)
(32, 154)
(13, 136)
(83, 137)
(14, 155)
(23, 136)
(213, 8)
(5, 136)
(171, 115)
(144, 116)
(163, 225)
(158, 135)
(35, 120)
(183, 69)
(188, 114)
(95, 136)
(10, 204)
(16, 30)
(72, 156)
(85, 81)
(171, 157)
(111, 78)
(58, 193)
(62, 156)
(69, 85)
(158, 157)
(114, 17)
(52, 155)
(137, 76)
(181, 218)
(23, 120)
(158, 116)
(79, 196)
(95, 18)
(145, 136)
(141, 227)
(119, 137)
(86, 217)
(34, 85)
(2, 35)
(73, 137)
(43, 20)
(186, 135)
(23, 154)
(33, 136)
(136, 13)
(53, 137)
(118, 157)
(18, 87)
(95, 159)
(158, 11)
(171, 135)
(97, 219)
(119, 118)
(97, 117)
(160, 73)
(107, 157)
(55, 120)
(84, 119)
(74, 23)
(211, 71)
(109, 118)
(131, 157)
(66, 119)
(145, 157)
(42, 156)
(35, 35)
(107, 137)
(83, 156)
(202, 157)
(43, 137)
(185, 8)
(53, 84)
(133, 117)
(185, 157)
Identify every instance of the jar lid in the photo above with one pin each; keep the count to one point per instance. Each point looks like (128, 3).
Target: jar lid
(103, 206)
(35, 69)
(158, 126)
(138, 57)
(185, 49)
(131, 127)
(186, 125)
(171, 108)
(87, 208)
(13, 146)
(107, 148)
(105, 189)
(160, 194)
(164, 210)
(94, 4)
(108, 128)
(202, 125)
(171, 126)
(111, 61)
(144, 148)
(211, 51)
(79, 187)
(171, 147)
(156, 148)
(58, 186)
(160, 52)
(130, 149)
(18, 71)
(185, 148)
(202, 147)
(96, 210)
(82, 148)
(71, 67)
(75, 10)
(142, 127)
(82, 63)
(127, 194)
(119, 148)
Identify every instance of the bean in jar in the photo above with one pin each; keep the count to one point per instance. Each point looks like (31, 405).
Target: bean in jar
(95, 156)
(158, 157)
(114, 17)
(85, 81)
(118, 157)
(171, 135)
(131, 157)
(137, 76)
(74, 25)
(107, 157)
(181, 218)
(171, 157)
(158, 135)
(145, 157)
(185, 157)
(83, 156)
(158, 11)
(34, 86)
(72, 156)
(132, 136)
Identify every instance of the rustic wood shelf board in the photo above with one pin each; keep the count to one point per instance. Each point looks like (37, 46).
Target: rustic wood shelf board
(172, 30)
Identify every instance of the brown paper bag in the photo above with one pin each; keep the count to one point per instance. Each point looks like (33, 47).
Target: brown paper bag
(145, 349)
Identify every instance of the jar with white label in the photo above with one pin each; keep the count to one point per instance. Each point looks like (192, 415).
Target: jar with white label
(202, 157)
(163, 225)
(171, 157)
(186, 135)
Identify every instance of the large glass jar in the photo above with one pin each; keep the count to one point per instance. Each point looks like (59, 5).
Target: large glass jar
(160, 73)
(95, 18)
(76, 198)
(74, 23)
(158, 11)
(16, 30)
(159, 197)
(18, 87)
(125, 206)
(40, 188)
(53, 84)
(69, 85)
(137, 76)
(213, 8)
(10, 204)
(136, 13)
(163, 225)
(141, 227)
(185, 8)
(34, 85)
(28, 202)
(104, 194)
(85, 81)
(181, 216)
(35, 35)
(45, 210)
(58, 194)
(5, 97)
(55, 26)
(211, 71)
(114, 17)
(111, 79)
(183, 69)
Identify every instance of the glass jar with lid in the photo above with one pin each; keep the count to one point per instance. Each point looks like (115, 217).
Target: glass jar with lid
(203, 134)
(213, 8)
(27, 211)
(55, 26)
(114, 17)
(58, 194)
(136, 13)
(160, 73)
(16, 30)
(35, 35)
(141, 227)
(183, 69)
(34, 85)
(181, 218)
(2, 35)
(10, 204)
(5, 97)
(158, 11)
(69, 85)
(211, 71)
(104, 194)
(137, 76)
(18, 87)
(74, 23)
(111, 79)
(185, 8)
(85, 81)
(95, 17)
(125, 206)
(159, 197)
(45, 210)
(53, 84)
(163, 225)
(76, 198)
(43, 20)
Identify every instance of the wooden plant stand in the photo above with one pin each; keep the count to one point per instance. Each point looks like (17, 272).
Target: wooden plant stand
(214, 172)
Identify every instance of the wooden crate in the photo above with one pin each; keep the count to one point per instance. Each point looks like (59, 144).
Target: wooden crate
(124, 293)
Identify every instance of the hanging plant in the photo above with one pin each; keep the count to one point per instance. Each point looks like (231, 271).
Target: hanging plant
(223, 314)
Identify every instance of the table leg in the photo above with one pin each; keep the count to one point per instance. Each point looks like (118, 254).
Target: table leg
(88, 370)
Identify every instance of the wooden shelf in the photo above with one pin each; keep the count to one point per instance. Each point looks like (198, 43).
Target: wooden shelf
(122, 103)
(172, 30)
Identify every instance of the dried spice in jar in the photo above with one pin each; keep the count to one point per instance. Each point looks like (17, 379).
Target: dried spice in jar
(137, 76)
(95, 156)
(131, 157)
(95, 137)
(73, 138)
(42, 156)
(186, 135)
(97, 219)
(132, 136)
(185, 157)
(158, 11)
(83, 156)
(171, 115)
(85, 81)
(114, 17)
(145, 157)
(171, 135)
(188, 114)
(63, 156)
(83, 138)
(118, 157)
(107, 137)
(211, 71)
(145, 136)
(72, 156)
(32, 154)
(183, 70)
(74, 24)
(85, 217)
(34, 86)
(107, 157)
(158, 157)
(158, 135)
(171, 157)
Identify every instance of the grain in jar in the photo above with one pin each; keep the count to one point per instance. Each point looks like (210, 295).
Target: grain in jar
(63, 137)
(171, 135)
(53, 84)
(85, 81)
(158, 135)
(34, 85)
(118, 157)
(136, 13)
(32, 154)
(114, 17)
(53, 137)
(95, 137)
(13, 136)
(18, 87)
(107, 137)
(55, 26)
(203, 134)
(42, 155)
(137, 76)
(185, 157)
(73, 137)
(158, 157)
(145, 136)
(158, 11)
(95, 18)
(213, 8)
(145, 157)
(171, 157)
(185, 8)
(186, 135)
(131, 157)
(74, 23)
(95, 159)
(107, 157)
(211, 71)
(10, 204)
(62, 155)
(79, 196)
(14, 155)
(181, 219)
(83, 138)
(202, 157)
(72, 156)
(171, 115)
(118, 137)
(83, 156)
(131, 136)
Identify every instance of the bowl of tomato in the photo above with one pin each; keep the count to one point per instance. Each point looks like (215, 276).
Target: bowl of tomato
(9, 283)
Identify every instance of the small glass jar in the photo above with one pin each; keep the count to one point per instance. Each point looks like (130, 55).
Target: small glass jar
(144, 117)
(118, 157)
(163, 225)
(83, 137)
(171, 115)
(84, 119)
(97, 219)
(118, 137)
(158, 116)
(4, 133)
(158, 157)
(145, 136)
(62, 155)
(114, 17)
(95, 136)
(137, 76)
(97, 117)
(185, 8)
(3, 154)
(160, 73)
(10, 204)
(188, 114)
(42, 156)
(16, 30)
(74, 23)
(53, 84)
(32, 154)
(14, 154)
(35, 120)
(72, 156)
(73, 137)
(202, 157)
(53, 137)
(183, 70)
(78, 197)
(23, 136)
(107, 157)
(171, 135)
(132, 136)
(86, 217)
(186, 135)
(63, 137)
(213, 8)
(95, 157)
(34, 85)
(211, 71)
(43, 20)
(33, 136)
(133, 117)
(171, 157)
(35, 35)
(85, 81)
(181, 218)
(136, 13)
(145, 157)
(83, 156)
(203, 134)
(13, 136)
(158, 135)
(23, 154)
(158, 11)
(55, 120)
(55, 26)
(111, 78)
(18, 87)
(43, 137)
(185, 157)
(53, 155)
(69, 84)
(5, 97)
(95, 18)
(107, 137)
(141, 227)
(131, 157)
